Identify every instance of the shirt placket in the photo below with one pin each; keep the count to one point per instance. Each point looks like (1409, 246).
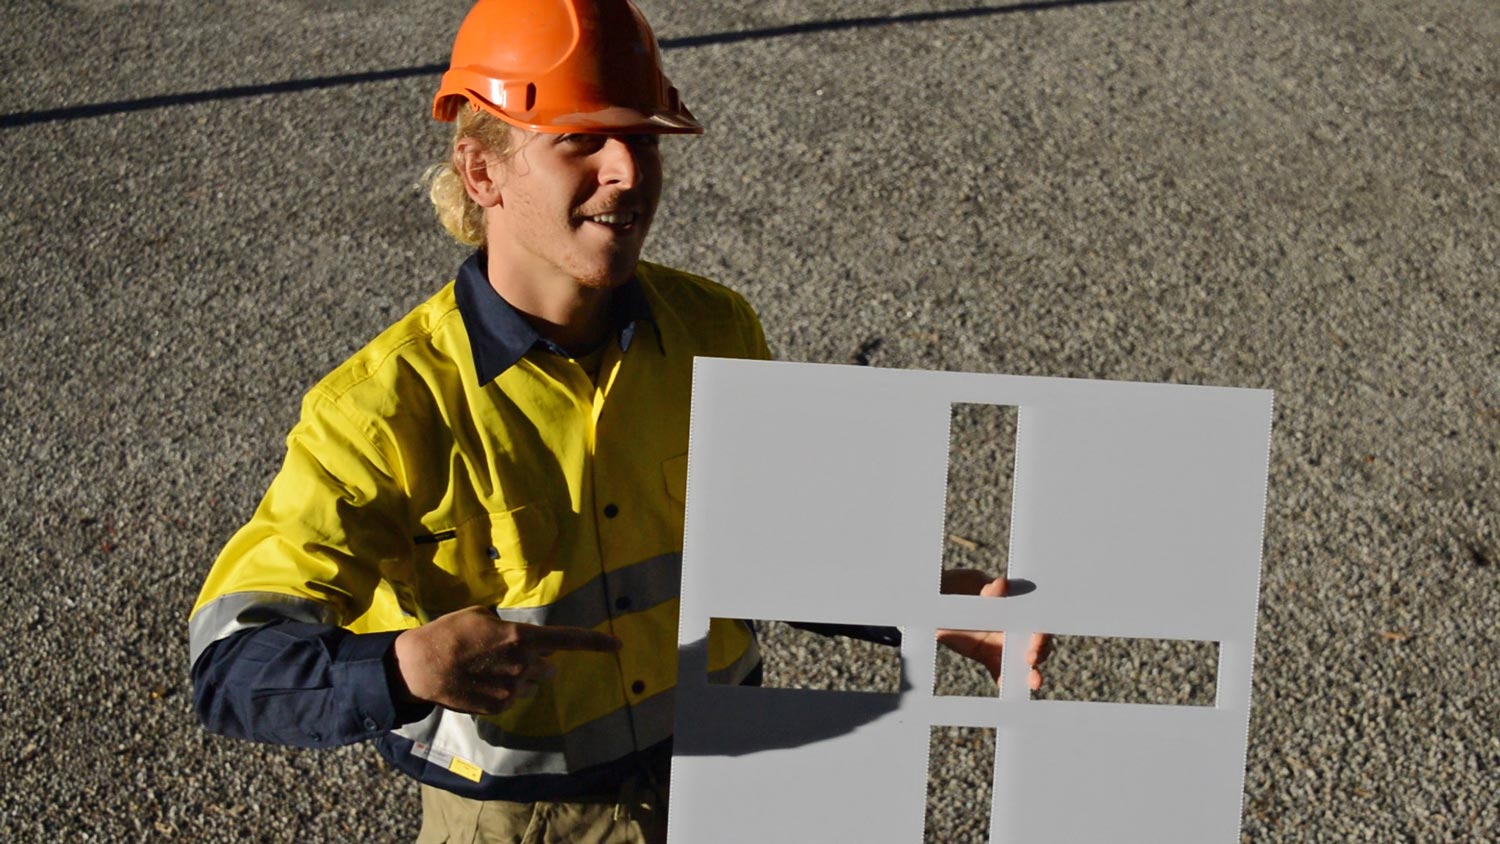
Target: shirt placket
(609, 515)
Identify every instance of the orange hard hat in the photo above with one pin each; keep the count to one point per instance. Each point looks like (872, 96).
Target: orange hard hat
(587, 66)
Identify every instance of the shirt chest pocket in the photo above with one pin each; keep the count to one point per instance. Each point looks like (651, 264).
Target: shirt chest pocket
(674, 475)
(492, 559)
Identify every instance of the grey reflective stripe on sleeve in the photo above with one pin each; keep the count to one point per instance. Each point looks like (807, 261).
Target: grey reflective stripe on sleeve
(238, 611)
(648, 583)
(445, 734)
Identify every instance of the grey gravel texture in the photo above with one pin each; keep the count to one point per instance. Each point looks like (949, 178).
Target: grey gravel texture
(1297, 195)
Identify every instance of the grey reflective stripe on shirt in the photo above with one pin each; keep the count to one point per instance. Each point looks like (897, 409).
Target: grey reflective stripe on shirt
(647, 584)
(444, 734)
(736, 672)
(229, 614)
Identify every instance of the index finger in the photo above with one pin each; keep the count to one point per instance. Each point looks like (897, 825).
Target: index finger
(568, 639)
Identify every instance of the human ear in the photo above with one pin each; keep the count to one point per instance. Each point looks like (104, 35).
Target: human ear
(480, 171)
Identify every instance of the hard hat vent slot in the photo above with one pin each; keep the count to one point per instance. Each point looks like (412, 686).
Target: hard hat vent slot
(530, 96)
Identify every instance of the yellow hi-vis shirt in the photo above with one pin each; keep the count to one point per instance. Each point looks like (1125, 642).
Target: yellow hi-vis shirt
(416, 483)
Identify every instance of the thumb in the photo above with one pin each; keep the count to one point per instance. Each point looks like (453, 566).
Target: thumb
(995, 588)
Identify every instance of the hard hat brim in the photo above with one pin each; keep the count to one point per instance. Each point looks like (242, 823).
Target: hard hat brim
(604, 119)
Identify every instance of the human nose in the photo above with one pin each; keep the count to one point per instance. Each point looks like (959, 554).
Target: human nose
(621, 165)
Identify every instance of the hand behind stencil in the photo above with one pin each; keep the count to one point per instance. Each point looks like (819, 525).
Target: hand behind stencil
(986, 646)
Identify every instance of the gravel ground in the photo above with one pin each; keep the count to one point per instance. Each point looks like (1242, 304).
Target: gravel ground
(1296, 195)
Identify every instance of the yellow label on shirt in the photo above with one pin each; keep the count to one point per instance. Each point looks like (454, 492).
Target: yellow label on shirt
(467, 770)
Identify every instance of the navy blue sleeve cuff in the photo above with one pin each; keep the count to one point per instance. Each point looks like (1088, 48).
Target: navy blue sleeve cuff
(363, 672)
(301, 684)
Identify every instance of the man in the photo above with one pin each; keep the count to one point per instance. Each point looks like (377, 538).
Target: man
(471, 553)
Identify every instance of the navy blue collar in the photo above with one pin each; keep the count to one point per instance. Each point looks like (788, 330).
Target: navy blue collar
(500, 336)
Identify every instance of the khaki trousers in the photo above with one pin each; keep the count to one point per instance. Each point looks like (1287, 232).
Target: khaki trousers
(637, 815)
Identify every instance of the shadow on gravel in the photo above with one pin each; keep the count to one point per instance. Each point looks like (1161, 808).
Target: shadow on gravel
(748, 719)
(79, 112)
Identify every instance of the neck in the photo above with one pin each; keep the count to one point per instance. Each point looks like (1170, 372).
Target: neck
(572, 315)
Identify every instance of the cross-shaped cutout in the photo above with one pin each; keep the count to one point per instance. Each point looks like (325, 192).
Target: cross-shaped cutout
(817, 493)
(961, 761)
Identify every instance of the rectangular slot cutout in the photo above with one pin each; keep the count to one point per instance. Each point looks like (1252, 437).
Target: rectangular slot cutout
(1171, 672)
(797, 658)
(981, 472)
(960, 785)
(954, 675)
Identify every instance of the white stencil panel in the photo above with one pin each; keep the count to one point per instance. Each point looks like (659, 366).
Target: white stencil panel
(816, 493)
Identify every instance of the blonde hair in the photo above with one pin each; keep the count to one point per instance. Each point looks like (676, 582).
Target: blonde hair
(460, 215)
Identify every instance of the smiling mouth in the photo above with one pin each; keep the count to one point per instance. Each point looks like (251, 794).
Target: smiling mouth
(620, 220)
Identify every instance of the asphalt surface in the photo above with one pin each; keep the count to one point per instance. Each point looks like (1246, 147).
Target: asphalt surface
(1300, 196)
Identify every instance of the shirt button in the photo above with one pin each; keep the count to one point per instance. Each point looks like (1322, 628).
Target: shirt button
(493, 552)
(370, 724)
(622, 602)
(638, 686)
(610, 511)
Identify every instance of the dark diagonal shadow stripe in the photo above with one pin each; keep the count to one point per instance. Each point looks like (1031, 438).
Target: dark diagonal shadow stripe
(838, 24)
(29, 118)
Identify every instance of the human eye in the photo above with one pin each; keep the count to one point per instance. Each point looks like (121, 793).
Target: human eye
(580, 142)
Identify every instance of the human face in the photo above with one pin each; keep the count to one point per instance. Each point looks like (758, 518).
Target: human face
(576, 207)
